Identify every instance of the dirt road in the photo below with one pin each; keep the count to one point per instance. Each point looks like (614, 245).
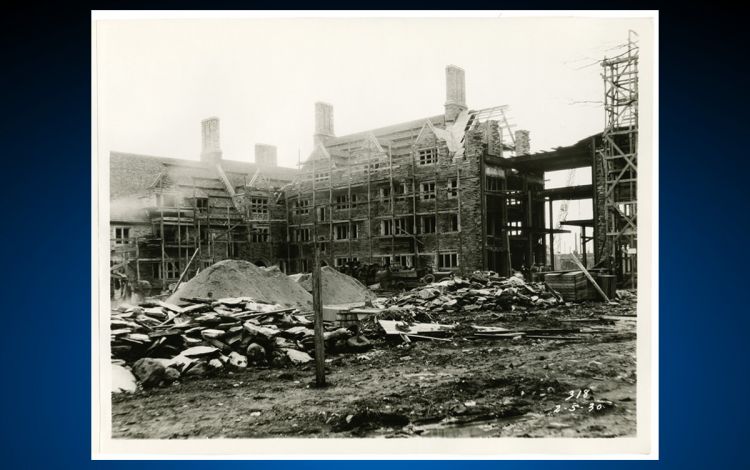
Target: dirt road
(465, 387)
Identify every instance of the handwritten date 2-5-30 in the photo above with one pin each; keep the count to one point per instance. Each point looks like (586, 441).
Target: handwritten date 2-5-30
(572, 403)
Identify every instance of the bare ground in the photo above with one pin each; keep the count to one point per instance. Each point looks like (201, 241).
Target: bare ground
(466, 387)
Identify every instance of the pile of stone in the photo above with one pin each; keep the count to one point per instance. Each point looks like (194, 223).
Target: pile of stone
(163, 342)
(480, 291)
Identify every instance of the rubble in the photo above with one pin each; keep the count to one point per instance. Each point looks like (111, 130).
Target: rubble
(150, 372)
(122, 379)
(199, 335)
(298, 357)
(480, 291)
(163, 341)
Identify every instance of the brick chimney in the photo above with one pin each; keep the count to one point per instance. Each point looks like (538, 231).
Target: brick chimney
(323, 123)
(211, 151)
(523, 142)
(265, 155)
(455, 93)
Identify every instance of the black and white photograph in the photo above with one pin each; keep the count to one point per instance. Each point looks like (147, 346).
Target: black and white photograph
(384, 233)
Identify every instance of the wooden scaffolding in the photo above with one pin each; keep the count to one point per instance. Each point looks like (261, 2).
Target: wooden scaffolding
(619, 158)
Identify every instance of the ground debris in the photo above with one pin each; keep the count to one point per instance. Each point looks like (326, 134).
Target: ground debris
(480, 291)
(160, 342)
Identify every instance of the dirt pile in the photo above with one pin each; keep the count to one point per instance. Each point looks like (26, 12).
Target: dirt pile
(237, 278)
(338, 288)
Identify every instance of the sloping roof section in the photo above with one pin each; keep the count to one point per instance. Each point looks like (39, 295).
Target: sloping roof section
(135, 173)
(320, 156)
(371, 145)
(399, 138)
(426, 134)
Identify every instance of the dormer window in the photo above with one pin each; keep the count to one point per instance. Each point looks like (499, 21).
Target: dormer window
(259, 205)
(427, 156)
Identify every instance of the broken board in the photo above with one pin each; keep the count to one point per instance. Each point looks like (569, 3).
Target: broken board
(396, 327)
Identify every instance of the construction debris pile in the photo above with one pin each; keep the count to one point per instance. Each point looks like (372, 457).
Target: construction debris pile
(480, 291)
(164, 342)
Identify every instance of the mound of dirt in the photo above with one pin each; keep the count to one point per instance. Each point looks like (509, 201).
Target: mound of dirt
(237, 278)
(338, 288)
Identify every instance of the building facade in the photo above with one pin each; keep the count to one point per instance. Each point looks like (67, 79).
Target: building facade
(170, 217)
(450, 192)
(437, 193)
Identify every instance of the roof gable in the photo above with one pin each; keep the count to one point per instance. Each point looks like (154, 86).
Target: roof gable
(427, 137)
(320, 154)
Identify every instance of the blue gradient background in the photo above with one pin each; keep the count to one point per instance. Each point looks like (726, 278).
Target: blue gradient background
(45, 339)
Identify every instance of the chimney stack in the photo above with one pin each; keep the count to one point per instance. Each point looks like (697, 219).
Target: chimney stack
(265, 155)
(523, 142)
(211, 151)
(455, 93)
(323, 122)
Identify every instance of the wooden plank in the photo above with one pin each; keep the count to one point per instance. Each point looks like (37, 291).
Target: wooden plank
(557, 338)
(391, 327)
(554, 292)
(432, 338)
(490, 329)
(619, 317)
(498, 335)
(182, 276)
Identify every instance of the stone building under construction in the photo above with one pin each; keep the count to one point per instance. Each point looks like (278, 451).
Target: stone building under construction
(432, 193)
(171, 217)
(458, 191)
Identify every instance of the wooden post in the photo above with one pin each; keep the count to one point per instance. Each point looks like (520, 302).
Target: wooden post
(583, 246)
(320, 373)
(349, 201)
(228, 240)
(393, 202)
(288, 269)
(369, 212)
(179, 234)
(331, 246)
(458, 214)
(415, 263)
(506, 230)
(436, 266)
(551, 238)
(161, 233)
(529, 232)
(315, 216)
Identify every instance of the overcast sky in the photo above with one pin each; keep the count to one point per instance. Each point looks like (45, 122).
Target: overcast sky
(157, 79)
